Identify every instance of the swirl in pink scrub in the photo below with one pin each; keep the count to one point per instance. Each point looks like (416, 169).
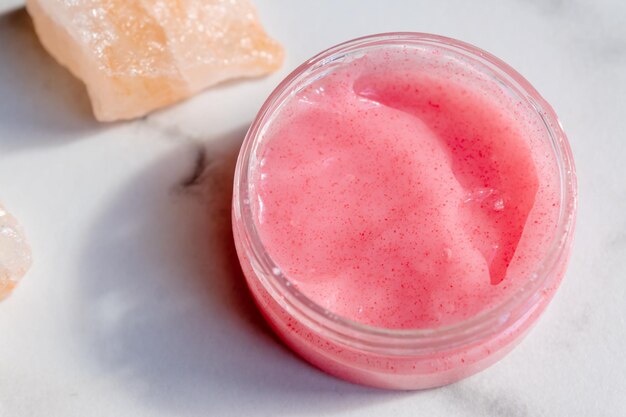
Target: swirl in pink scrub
(406, 190)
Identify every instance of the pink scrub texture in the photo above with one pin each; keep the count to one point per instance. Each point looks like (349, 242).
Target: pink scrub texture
(403, 189)
(399, 198)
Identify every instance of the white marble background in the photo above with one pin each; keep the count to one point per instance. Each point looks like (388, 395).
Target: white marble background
(135, 305)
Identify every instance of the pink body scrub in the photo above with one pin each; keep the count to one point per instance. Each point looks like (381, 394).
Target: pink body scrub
(403, 210)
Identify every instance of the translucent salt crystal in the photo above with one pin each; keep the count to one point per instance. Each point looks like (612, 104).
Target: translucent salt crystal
(493, 252)
(498, 205)
(15, 257)
(488, 196)
(478, 195)
(136, 56)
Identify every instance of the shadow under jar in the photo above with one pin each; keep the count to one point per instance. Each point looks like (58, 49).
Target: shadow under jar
(403, 209)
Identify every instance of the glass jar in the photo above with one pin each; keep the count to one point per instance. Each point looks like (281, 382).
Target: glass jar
(399, 358)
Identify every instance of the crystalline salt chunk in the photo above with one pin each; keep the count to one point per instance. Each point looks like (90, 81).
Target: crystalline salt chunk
(136, 55)
(15, 256)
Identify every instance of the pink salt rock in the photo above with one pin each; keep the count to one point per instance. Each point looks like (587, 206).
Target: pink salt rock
(15, 257)
(138, 55)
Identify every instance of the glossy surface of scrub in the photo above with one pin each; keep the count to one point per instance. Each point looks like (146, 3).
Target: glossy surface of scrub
(405, 189)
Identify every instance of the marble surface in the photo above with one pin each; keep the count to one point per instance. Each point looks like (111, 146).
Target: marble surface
(135, 305)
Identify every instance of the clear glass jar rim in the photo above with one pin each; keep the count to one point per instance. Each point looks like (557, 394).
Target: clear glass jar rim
(368, 337)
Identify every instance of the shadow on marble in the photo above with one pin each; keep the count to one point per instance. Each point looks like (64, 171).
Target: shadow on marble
(469, 398)
(166, 309)
(41, 103)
